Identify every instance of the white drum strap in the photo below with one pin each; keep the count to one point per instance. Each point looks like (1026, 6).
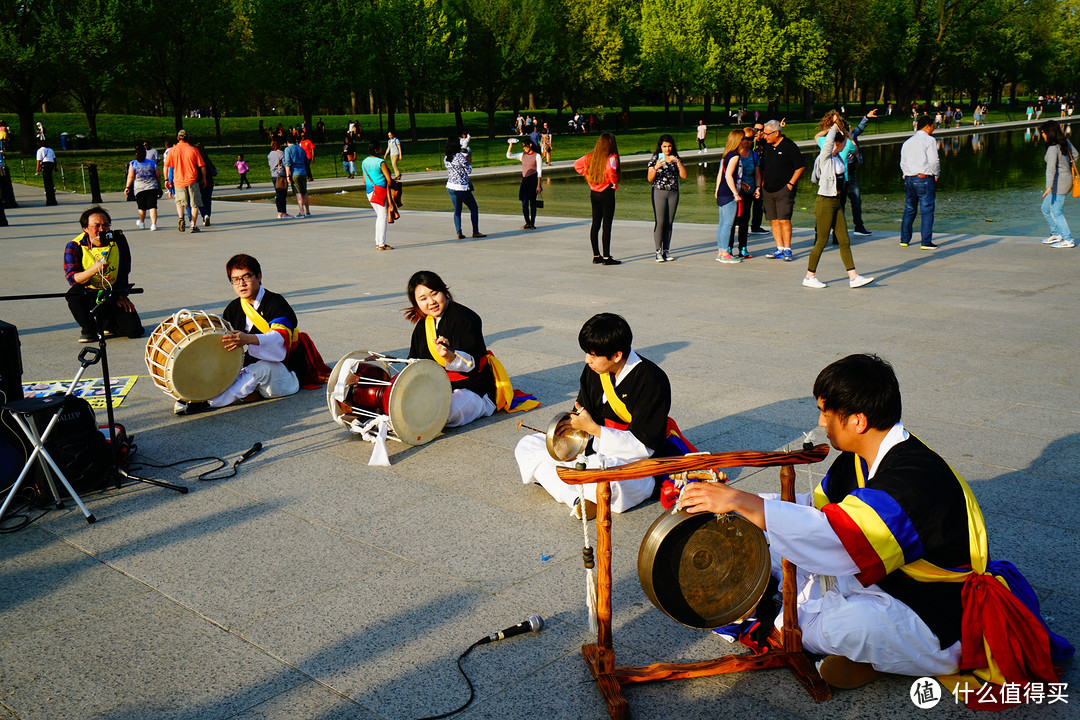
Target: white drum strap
(379, 456)
(374, 431)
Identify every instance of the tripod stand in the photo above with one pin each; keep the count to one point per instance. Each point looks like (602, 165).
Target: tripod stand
(23, 411)
(115, 472)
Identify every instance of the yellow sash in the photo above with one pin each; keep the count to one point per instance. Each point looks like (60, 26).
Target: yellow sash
(429, 327)
(257, 321)
(613, 398)
(292, 335)
(924, 571)
(91, 255)
(504, 388)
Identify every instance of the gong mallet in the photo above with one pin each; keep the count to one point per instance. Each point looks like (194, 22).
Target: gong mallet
(521, 424)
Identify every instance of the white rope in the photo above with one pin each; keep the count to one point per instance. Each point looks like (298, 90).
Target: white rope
(590, 573)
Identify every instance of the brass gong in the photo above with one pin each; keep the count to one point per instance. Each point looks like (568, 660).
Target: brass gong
(704, 570)
(565, 446)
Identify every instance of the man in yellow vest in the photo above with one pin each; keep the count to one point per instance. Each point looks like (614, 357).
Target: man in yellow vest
(96, 264)
(623, 403)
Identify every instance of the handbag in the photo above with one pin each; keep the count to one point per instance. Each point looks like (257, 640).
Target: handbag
(1075, 177)
(280, 183)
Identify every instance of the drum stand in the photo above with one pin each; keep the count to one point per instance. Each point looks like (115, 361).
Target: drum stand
(600, 656)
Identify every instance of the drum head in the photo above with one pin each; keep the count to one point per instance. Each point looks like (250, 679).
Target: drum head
(420, 402)
(704, 570)
(566, 446)
(204, 369)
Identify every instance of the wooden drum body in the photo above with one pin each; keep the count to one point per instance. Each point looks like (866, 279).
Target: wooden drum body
(363, 387)
(186, 359)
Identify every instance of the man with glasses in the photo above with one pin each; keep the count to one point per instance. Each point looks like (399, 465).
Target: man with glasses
(96, 260)
(782, 165)
(267, 339)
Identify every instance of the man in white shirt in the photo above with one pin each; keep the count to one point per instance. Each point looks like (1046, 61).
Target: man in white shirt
(393, 151)
(46, 161)
(920, 167)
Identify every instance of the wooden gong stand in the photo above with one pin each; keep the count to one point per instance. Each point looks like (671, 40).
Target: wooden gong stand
(600, 655)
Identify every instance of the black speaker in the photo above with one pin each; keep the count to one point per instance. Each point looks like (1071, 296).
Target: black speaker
(10, 363)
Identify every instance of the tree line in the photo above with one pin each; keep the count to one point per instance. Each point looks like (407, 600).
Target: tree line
(254, 57)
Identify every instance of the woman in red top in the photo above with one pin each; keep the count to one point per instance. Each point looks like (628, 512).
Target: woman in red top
(602, 170)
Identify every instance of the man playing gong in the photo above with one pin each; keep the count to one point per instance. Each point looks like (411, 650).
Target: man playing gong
(894, 571)
(273, 363)
(623, 402)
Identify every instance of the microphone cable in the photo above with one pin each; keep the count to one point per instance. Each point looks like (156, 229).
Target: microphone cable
(472, 691)
(534, 623)
(205, 477)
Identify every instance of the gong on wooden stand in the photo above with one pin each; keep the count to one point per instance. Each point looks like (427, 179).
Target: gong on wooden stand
(600, 656)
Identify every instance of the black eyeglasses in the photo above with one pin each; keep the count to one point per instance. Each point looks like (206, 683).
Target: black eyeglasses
(245, 278)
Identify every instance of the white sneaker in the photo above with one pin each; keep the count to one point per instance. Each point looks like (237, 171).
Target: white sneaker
(153, 226)
(140, 224)
(1052, 239)
(659, 256)
(859, 281)
(1063, 244)
(813, 282)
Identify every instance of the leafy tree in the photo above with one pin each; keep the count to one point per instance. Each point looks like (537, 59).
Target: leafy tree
(434, 41)
(300, 51)
(183, 43)
(936, 30)
(96, 43)
(674, 43)
(741, 50)
(32, 54)
(501, 38)
(1061, 65)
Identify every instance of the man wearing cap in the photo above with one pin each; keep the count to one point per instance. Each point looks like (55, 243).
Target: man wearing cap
(185, 172)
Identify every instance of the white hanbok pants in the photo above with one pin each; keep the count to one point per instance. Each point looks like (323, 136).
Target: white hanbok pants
(536, 465)
(867, 625)
(271, 379)
(466, 406)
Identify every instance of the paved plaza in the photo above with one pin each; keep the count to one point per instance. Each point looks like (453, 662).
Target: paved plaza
(311, 586)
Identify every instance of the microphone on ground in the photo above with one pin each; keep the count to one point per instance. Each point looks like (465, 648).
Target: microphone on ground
(533, 623)
(254, 449)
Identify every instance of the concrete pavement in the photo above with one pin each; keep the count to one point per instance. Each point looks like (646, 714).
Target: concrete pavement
(314, 586)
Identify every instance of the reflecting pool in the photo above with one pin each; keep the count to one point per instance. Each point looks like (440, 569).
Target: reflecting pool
(990, 183)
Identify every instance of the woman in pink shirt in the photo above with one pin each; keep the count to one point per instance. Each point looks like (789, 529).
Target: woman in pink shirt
(602, 171)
